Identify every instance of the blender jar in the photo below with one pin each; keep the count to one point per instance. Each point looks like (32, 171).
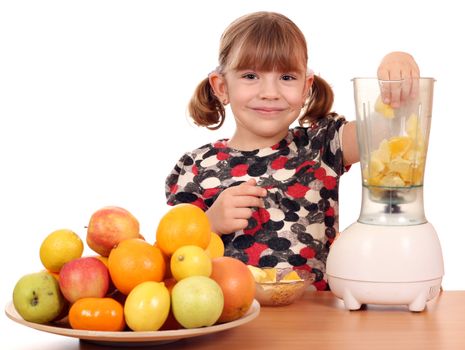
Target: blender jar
(393, 143)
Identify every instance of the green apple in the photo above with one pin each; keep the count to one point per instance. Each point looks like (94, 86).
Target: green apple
(197, 301)
(37, 297)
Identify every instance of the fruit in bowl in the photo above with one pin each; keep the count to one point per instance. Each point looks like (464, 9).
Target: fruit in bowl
(280, 286)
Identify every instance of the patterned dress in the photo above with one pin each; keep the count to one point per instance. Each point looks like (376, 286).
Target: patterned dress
(301, 174)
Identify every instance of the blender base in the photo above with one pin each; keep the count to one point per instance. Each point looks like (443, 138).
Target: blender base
(413, 294)
(390, 265)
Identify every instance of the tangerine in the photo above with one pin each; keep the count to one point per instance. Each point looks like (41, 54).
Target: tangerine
(97, 314)
(184, 224)
(134, 261)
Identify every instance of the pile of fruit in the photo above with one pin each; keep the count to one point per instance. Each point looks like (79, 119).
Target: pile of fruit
(400, 160)
(180, 281)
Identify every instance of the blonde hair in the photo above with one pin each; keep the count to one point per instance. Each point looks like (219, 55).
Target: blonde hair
(263, 41)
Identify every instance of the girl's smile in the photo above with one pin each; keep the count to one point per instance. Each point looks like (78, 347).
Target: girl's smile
(268, 111)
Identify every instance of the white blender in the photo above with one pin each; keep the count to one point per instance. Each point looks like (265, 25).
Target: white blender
(391, 255)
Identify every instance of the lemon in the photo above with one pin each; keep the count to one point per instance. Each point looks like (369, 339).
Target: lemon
(59, 247)
(147, 306)
(190, 260)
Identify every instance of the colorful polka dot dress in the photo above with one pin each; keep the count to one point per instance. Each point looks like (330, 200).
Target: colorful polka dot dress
(301, 174)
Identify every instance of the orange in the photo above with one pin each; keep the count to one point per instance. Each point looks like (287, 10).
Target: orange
(184, 224)
(238, 286)
(215, 248)
(97, 314)
(135, 261)
(167, 258)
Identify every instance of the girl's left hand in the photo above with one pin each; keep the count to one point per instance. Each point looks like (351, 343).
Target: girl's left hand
(402, 67)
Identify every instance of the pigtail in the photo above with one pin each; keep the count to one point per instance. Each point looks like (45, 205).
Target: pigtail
(205, 108)
(319, 103)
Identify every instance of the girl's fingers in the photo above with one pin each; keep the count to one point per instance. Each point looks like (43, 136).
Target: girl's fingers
(241, 213)
(247, 201)
(247, 189)
(239, 224)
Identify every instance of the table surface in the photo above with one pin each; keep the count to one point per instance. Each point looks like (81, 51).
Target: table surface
(319, 321)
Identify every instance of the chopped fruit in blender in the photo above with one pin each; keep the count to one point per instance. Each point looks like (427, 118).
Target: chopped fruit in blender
(383, 152)
(399, 145)
(403, 167)
(384, 109)
(418, 175)
(374, 180)
(399, 161)
(392, 180)
(415, 156)
(376, 166)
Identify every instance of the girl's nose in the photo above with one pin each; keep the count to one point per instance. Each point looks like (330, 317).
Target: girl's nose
(269, 89)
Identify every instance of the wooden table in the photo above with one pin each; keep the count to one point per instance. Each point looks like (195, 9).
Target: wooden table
(319, 321)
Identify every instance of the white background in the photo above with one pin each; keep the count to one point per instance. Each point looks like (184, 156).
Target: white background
(93, 99)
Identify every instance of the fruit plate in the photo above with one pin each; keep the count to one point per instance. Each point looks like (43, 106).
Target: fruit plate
(133, 338)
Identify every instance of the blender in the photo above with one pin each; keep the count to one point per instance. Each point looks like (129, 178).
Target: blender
(392, 254)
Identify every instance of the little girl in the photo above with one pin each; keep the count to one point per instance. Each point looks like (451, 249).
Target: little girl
(271, 191)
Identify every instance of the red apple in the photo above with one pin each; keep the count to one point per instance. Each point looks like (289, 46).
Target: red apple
(108, 226)
(84, 277)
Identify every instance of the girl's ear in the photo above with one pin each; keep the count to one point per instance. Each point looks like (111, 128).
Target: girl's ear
(218, 84)
(308, 85)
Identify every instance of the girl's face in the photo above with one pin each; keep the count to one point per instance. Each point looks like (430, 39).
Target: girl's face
(264, 103)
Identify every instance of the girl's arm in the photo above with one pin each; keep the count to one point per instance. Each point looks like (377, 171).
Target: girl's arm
(394, 66)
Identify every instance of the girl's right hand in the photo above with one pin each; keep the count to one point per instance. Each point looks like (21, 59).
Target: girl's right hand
(233, 207)
(398, 66)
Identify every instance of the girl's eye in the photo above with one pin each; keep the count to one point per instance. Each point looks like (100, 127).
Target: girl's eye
(288, 77)
(249, 76)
